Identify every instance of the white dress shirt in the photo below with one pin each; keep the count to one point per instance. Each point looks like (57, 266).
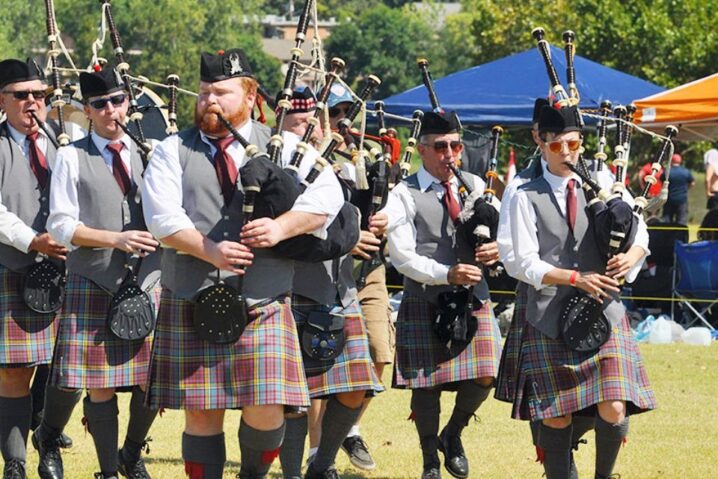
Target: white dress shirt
(162, 192)
(13, 231)
(527, 265)
(401, 210)
(64, 203)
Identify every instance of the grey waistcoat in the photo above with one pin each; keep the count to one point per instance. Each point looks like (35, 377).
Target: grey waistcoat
(559, 247)
(185, 275)
(435, 239)
(325, 282)
(21, 195)
(103, 207)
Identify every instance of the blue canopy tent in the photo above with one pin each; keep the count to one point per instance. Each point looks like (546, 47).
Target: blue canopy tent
(502, 92)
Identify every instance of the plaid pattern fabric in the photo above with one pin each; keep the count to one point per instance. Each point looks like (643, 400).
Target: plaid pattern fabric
(353, 369)
(27, 338)
(87, 354)
(263, 367)
(422, 361)
(506, 379)
(554, 380)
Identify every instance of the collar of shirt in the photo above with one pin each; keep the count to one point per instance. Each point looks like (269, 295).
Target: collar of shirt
(21, 139)
(427, 180)
(235, 150)
(558, 183)
(101, 144)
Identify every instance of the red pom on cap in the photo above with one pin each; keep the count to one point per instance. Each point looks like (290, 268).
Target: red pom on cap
(97, 67)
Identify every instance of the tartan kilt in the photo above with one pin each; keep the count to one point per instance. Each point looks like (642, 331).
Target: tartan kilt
(423, 361)
(27, 338)
(508, 367)
(87, 354)
(353, 369)
(553, 380)
(263, 367)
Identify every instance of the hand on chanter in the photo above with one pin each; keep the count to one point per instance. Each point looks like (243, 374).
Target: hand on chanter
(378, 224)
(487, 253)
(464, 274)
(231, 256)
(367, 245)
(261, 233)
(597, 285)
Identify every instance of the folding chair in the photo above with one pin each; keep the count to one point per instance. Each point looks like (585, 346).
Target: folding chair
(695, 277)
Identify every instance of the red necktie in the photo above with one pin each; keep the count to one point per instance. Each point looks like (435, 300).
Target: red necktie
(451, 204)
(119, 171)
(225, 167)
(38, 163)
(571, 203)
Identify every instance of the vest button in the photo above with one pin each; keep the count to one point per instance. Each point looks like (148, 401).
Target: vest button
(43, 199)
(226, 217)
(225, 234)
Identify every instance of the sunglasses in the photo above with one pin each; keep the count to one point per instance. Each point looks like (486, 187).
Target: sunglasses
(557, 146)
(23, 95)
(116, 100)
(441, 146)
(335, 111)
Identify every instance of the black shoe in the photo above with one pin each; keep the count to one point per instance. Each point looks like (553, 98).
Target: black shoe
(358, 453)
(99, 475)
(50, 462)
(431, 472)
(330, 473)
(454, 457)
(131, 470)
(14, 469)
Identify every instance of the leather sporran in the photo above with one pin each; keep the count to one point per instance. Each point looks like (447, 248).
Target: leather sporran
(220, 314)
(44, 287)
(454, 322)
(131, 315)
(584, 326)
(323, 336)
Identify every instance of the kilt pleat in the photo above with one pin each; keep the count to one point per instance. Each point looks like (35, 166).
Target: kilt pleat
(263, 367)
(27, 338)
(423, 361)
(508, 366)
(554, 381)
(87, 354)
(353, 369)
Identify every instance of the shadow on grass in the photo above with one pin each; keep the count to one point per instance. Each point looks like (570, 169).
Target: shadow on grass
(174, 461)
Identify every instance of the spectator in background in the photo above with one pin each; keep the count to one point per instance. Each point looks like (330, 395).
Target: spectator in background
(655, 189)
(680, 179)
(711, 161)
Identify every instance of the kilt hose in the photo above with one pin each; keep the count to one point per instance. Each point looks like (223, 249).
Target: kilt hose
(353, 369)
(423, 361)
(263, 367)
(87, 354)
(553, 380)
(508, 367)
(27, 338)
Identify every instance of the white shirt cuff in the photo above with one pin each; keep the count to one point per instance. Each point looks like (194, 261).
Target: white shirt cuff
(537, 272)
(163, 227)
(23, 238)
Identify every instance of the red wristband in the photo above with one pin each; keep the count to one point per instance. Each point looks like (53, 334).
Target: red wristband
(573, 278)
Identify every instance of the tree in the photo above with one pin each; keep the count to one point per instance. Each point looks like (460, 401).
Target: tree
(385, 42)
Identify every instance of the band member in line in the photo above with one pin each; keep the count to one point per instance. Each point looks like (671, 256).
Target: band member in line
(96, 212)
(26, 337)
(555, 254)
(421, 245)
(193, 203)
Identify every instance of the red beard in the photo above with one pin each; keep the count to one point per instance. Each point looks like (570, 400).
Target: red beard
(209, 123)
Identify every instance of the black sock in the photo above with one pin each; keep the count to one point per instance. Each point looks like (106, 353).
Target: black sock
(469, 397)
(556, 444)
(141, 419)
(39, 384)
(336, 423)
(15, 415)
(609, 438)
(258, 450)
(425, 409)
(292, 451)
(204, 456)
(58, 409)
(102, 423)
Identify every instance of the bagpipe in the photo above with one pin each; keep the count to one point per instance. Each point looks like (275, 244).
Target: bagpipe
(613, 221)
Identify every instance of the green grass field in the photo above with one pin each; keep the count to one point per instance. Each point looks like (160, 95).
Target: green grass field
(678, 440)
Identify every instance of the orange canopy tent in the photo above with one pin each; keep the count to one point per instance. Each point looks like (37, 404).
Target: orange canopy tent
(692, 107)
